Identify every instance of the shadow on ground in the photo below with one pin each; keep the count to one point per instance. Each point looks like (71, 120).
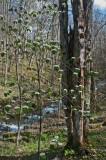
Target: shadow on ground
(50, 155)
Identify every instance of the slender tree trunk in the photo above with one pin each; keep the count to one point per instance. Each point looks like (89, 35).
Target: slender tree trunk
(67, 53)
(88, 20)
(20, 100)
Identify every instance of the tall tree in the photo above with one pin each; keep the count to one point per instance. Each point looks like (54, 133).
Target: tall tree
(67, 53)
(76, 45)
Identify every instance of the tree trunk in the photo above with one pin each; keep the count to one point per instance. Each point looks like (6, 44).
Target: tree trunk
(88, 20)
(75, 46)
(67, 53)
(79, 21)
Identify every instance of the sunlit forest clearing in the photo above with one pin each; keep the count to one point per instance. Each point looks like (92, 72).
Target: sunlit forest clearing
(52, 80)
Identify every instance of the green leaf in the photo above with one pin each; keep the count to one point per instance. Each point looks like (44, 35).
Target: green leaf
(17, 41)
(2, 29)
(21, 8)
(10, 27)
(1, 17)
(65, 90)
(6, 94)
(56, 68)
(50, 6)
(73, 58)
(42, 156)
(36, 44)
(72, 90)
(29, 68)
(28, 29)
(9, 91)
(17, 109)
(77, 70)
(24, 91)
(29, 40)
(25, 109)
(15, 29)
(59, 79)
(29, 103)
(93, 74)
(54, 51)
(46, 46)
(81, 87)
(33, 14)
(55, 5)
(61, 71)
(37, 94)
(11, 9)
(7, 107)
(43, 136)
(20, 20)
(52, 145)
(53, 43)
(28, 45)
(89, 60)
(25, 12)
(64, 5)
(75, 74)
(2, 41)
(20, 45)
(33, 48)
(15, 21)
(33, 79)
(48, 60)
(3, 53)
(10, 84)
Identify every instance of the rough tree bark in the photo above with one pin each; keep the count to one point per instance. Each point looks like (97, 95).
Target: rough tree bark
(78, 115)
(88, 21)
(67, 53)
(76, 46)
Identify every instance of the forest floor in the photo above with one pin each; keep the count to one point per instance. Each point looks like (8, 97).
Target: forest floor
(56, 135)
